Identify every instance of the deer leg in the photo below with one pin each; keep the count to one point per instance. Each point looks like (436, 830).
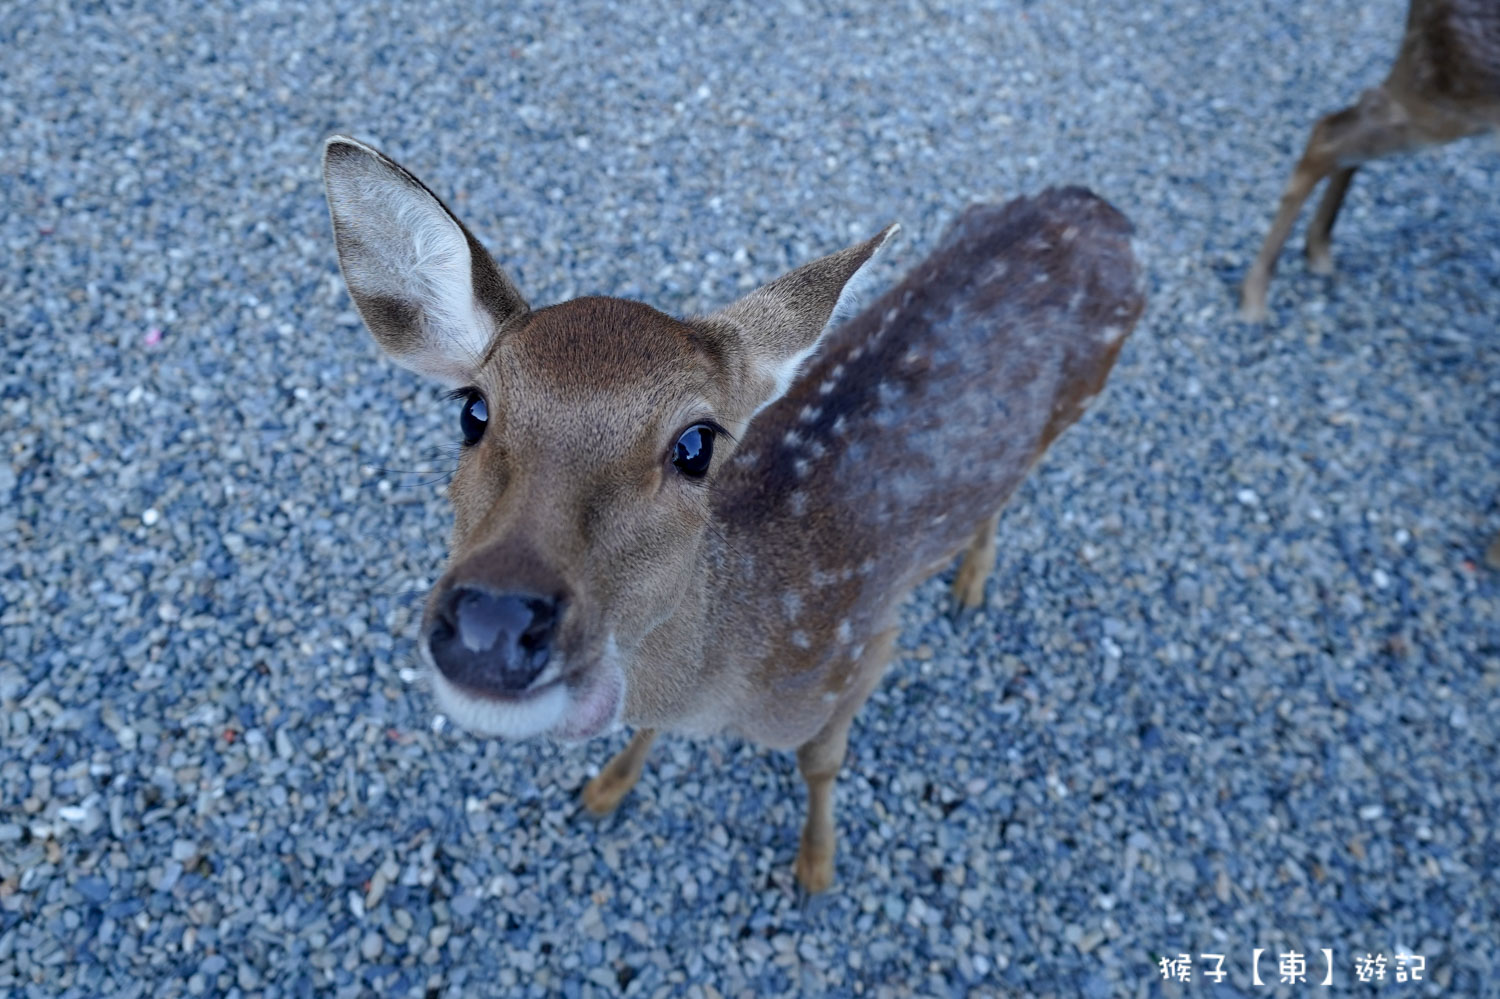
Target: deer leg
(1320, 233)
(975, 569)
(602, 794)
(1253, 295)
(820, 759)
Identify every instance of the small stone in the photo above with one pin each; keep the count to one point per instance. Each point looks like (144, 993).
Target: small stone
(371, 946)
(93, 889)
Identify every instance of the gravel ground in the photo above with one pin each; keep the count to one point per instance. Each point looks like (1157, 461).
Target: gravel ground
(1235, 687)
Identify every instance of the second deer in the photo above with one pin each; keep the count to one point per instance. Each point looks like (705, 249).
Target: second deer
(708, 525)
(1445, 85)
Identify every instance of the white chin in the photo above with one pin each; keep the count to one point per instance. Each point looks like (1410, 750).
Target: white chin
(519, 719)
(570, 712)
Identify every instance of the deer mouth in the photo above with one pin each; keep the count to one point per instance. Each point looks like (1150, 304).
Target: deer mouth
(571, 708)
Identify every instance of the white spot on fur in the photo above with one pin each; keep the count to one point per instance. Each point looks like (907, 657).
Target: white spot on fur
(1069, 234)
(799, 639)
(1111, 334)
(815, 449)
(791, 602)
(797, 503)
(810, 413)
(792, 438)
(856, 652)
(830, 697)
(839, 425)
(866, 567)
(828, 386)
(801, 466)
(845, 633)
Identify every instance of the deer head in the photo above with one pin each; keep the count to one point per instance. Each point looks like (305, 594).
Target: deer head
(592, 432)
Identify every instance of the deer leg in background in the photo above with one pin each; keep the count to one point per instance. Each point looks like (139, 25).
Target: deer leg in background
(602, 794)
(1320, 232)
(1305, 177)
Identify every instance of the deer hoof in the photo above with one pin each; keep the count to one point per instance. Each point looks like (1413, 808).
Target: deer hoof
(1320, 262)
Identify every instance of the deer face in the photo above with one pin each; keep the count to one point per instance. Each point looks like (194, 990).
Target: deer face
(593, 431)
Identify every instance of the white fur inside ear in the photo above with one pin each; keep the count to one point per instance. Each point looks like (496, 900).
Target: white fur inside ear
(442, 269)
(785, 373)
(398, 242)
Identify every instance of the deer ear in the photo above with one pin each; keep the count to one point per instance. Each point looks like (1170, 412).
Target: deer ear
(430, 294)
(777, 326)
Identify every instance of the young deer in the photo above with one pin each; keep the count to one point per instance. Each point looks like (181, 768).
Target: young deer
(701, 525)
(1445, 85)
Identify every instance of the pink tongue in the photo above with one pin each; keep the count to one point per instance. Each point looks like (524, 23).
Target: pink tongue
(594, 707)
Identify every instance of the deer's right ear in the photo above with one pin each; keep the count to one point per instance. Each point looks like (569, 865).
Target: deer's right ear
(429, 292)
(778, 325)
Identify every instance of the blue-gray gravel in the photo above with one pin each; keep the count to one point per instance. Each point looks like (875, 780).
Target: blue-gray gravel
(1235, 686)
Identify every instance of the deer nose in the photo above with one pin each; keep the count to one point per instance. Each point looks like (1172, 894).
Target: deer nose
(492, 643)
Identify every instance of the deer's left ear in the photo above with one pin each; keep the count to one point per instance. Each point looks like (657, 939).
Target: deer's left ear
(777, 326)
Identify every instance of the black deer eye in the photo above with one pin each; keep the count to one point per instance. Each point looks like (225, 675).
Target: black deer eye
(694, 450)
(473, 418)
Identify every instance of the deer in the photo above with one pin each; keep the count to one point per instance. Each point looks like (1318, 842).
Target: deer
(707, 525)
(1444, 85)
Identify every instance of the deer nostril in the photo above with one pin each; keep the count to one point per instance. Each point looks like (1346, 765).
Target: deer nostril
(493, 643)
